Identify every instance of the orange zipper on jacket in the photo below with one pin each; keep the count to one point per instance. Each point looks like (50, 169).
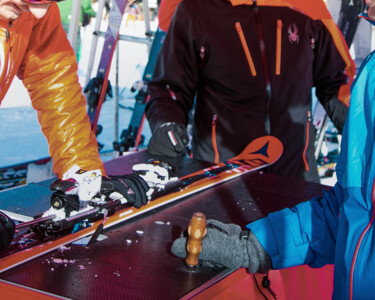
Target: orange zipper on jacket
(246, 49)
(307, 141)
(214, 141)
(278, 46)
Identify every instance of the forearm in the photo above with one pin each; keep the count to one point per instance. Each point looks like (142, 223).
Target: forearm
(49, 73)
(334, 71)
(336, 111)
(174, 85)
(163, 110)
(304, 234)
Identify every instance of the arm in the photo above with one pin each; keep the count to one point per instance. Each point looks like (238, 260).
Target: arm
(334, 71)
(175, 80)
(49, 72)
(304, 234)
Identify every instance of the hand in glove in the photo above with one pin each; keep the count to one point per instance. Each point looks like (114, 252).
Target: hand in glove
(227, 245)
(89, 184)
(170, 139)
(7, 229)
(131, 187)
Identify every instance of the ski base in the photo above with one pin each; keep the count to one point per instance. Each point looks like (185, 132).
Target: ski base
(43, 235)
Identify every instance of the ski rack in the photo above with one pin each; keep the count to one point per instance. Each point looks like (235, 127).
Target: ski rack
(132, 137)
(98, 87)
(97, 33)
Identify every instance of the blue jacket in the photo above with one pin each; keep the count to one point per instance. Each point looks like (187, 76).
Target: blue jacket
(339, 226)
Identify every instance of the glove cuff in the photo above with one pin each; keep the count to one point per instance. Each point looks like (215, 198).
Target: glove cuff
(259, 260)
(166, 123)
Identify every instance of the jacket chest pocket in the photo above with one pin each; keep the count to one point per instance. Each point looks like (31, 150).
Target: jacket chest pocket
(246, 49)
(279, 28)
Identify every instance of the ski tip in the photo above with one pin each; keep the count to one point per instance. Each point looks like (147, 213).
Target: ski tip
(266, 148)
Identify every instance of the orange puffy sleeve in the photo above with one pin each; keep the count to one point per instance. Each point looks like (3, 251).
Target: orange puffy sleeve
(165, 13)
(49, 72)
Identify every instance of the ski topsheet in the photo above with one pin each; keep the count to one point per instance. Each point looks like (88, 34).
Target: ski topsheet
(259, 154)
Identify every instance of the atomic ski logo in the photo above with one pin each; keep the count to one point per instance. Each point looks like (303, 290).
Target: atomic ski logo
(262, 150)
(293, 33)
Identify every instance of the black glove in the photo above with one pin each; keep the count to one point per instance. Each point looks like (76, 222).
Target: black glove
(132, 187)
(7, 229)
(227, 245)
(170, 139)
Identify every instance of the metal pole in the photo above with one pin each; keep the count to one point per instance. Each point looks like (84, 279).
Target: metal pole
(146, 18)
(94, 42)
(117, 92)
(73, 24)
(129, 38)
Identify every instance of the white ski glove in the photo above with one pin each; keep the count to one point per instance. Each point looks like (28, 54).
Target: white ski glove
(87, 184)
(78, 187)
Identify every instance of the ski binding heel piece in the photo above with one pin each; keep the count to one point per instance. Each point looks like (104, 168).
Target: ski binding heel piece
(156, 173)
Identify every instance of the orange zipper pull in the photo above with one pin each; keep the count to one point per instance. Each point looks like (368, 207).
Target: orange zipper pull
(214, 141)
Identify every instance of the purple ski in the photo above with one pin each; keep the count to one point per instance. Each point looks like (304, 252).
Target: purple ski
(99, 86)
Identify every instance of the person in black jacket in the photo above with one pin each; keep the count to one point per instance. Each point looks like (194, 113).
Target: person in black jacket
(249, 67)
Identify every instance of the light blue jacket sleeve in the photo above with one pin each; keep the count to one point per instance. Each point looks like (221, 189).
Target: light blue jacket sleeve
(304, 234)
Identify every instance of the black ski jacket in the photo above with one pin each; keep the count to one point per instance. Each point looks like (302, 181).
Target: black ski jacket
(251, 70)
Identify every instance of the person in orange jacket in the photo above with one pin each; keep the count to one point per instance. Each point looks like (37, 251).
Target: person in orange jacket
(34, 46)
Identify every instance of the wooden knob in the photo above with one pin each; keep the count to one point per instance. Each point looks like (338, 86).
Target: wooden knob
(196, 230)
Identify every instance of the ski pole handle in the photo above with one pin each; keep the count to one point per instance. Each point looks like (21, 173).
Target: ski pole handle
(197, 231)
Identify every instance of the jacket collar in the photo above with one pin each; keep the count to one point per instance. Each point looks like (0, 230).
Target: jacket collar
(314, 9)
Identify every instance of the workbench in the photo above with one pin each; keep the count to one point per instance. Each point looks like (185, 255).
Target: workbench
(134, 261)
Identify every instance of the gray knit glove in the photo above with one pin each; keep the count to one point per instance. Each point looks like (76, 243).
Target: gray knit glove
(227, 245)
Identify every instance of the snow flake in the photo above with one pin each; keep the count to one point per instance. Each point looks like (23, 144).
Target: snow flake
(63, 248)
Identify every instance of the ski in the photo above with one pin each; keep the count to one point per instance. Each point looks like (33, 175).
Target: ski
(99, 86)
(43, 235)
(16, 175)
(132, 136)
(348, 18)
